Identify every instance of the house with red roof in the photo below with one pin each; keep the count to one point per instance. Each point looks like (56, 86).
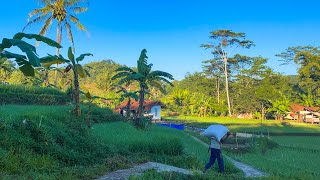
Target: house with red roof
(303, 113)
(152, 108)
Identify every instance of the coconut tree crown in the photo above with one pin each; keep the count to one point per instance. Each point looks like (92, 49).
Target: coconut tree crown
(63, 11)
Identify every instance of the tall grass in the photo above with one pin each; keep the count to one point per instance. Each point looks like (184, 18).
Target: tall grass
(160, 144)
(29, 89)
(47, 142)
(21, 94)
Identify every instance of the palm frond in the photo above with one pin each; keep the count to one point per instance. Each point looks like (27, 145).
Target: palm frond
(44, 11)
(143, 62)
(76, 2)
(125, 69)
(77, 22)
(162, 79)
(126, 79)
(70, 36)
(161, 73)
(158, 86)
(39, 18)
(120, 75)
(45, 1)
(78, 10)
(46, 25)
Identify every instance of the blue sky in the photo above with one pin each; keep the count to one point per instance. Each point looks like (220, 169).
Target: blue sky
(172, 30)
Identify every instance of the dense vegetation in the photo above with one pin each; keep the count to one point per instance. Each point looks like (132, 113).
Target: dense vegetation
(254, 88)
(51, 143)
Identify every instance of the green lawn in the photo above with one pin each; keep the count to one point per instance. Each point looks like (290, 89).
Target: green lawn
(247, 125)
(311, 143)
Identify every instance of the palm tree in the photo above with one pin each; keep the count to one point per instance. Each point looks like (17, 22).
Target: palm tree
(63, 11)
(145, 77)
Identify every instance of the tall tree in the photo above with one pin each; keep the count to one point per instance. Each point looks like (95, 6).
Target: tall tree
(145, 77)
(213, 69)
(225, 42)
(64, 13)
(308, 60)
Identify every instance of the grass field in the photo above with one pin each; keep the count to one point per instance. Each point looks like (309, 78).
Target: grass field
(160, 144)
(47, 142)
(295, 157)
(248, 125)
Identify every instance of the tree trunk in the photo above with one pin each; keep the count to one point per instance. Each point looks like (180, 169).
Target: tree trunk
(218, 90)
(227, 85)
(59, 34)
(128, 108)
(76, 93)
(141, 101)
(140, 109)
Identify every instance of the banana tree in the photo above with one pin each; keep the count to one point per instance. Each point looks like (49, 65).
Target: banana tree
(31, 59)
(127, 95)
(78, 71)
(145, 77)
(90, 98)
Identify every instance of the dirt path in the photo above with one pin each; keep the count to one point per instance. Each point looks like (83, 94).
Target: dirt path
(124, 174)
(138, 170)
(248, 170)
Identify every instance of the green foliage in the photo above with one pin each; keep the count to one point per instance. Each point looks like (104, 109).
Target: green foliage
(48, 142)
(101, 74)
(145, 77)
(280, 107)
(26, 63)
(308, 59)
(21, 94)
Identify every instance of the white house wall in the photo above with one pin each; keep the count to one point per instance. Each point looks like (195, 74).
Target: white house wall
(156, 111)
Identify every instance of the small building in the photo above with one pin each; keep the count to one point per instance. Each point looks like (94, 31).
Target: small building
(151, 108)
(303, 113)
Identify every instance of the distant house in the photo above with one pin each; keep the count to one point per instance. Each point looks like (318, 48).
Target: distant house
(303, 113)
(152, 108)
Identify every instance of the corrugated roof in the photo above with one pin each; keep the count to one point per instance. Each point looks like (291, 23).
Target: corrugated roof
(298, 107)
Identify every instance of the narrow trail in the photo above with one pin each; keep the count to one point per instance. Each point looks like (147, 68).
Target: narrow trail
(248, 170)
(124, 174)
